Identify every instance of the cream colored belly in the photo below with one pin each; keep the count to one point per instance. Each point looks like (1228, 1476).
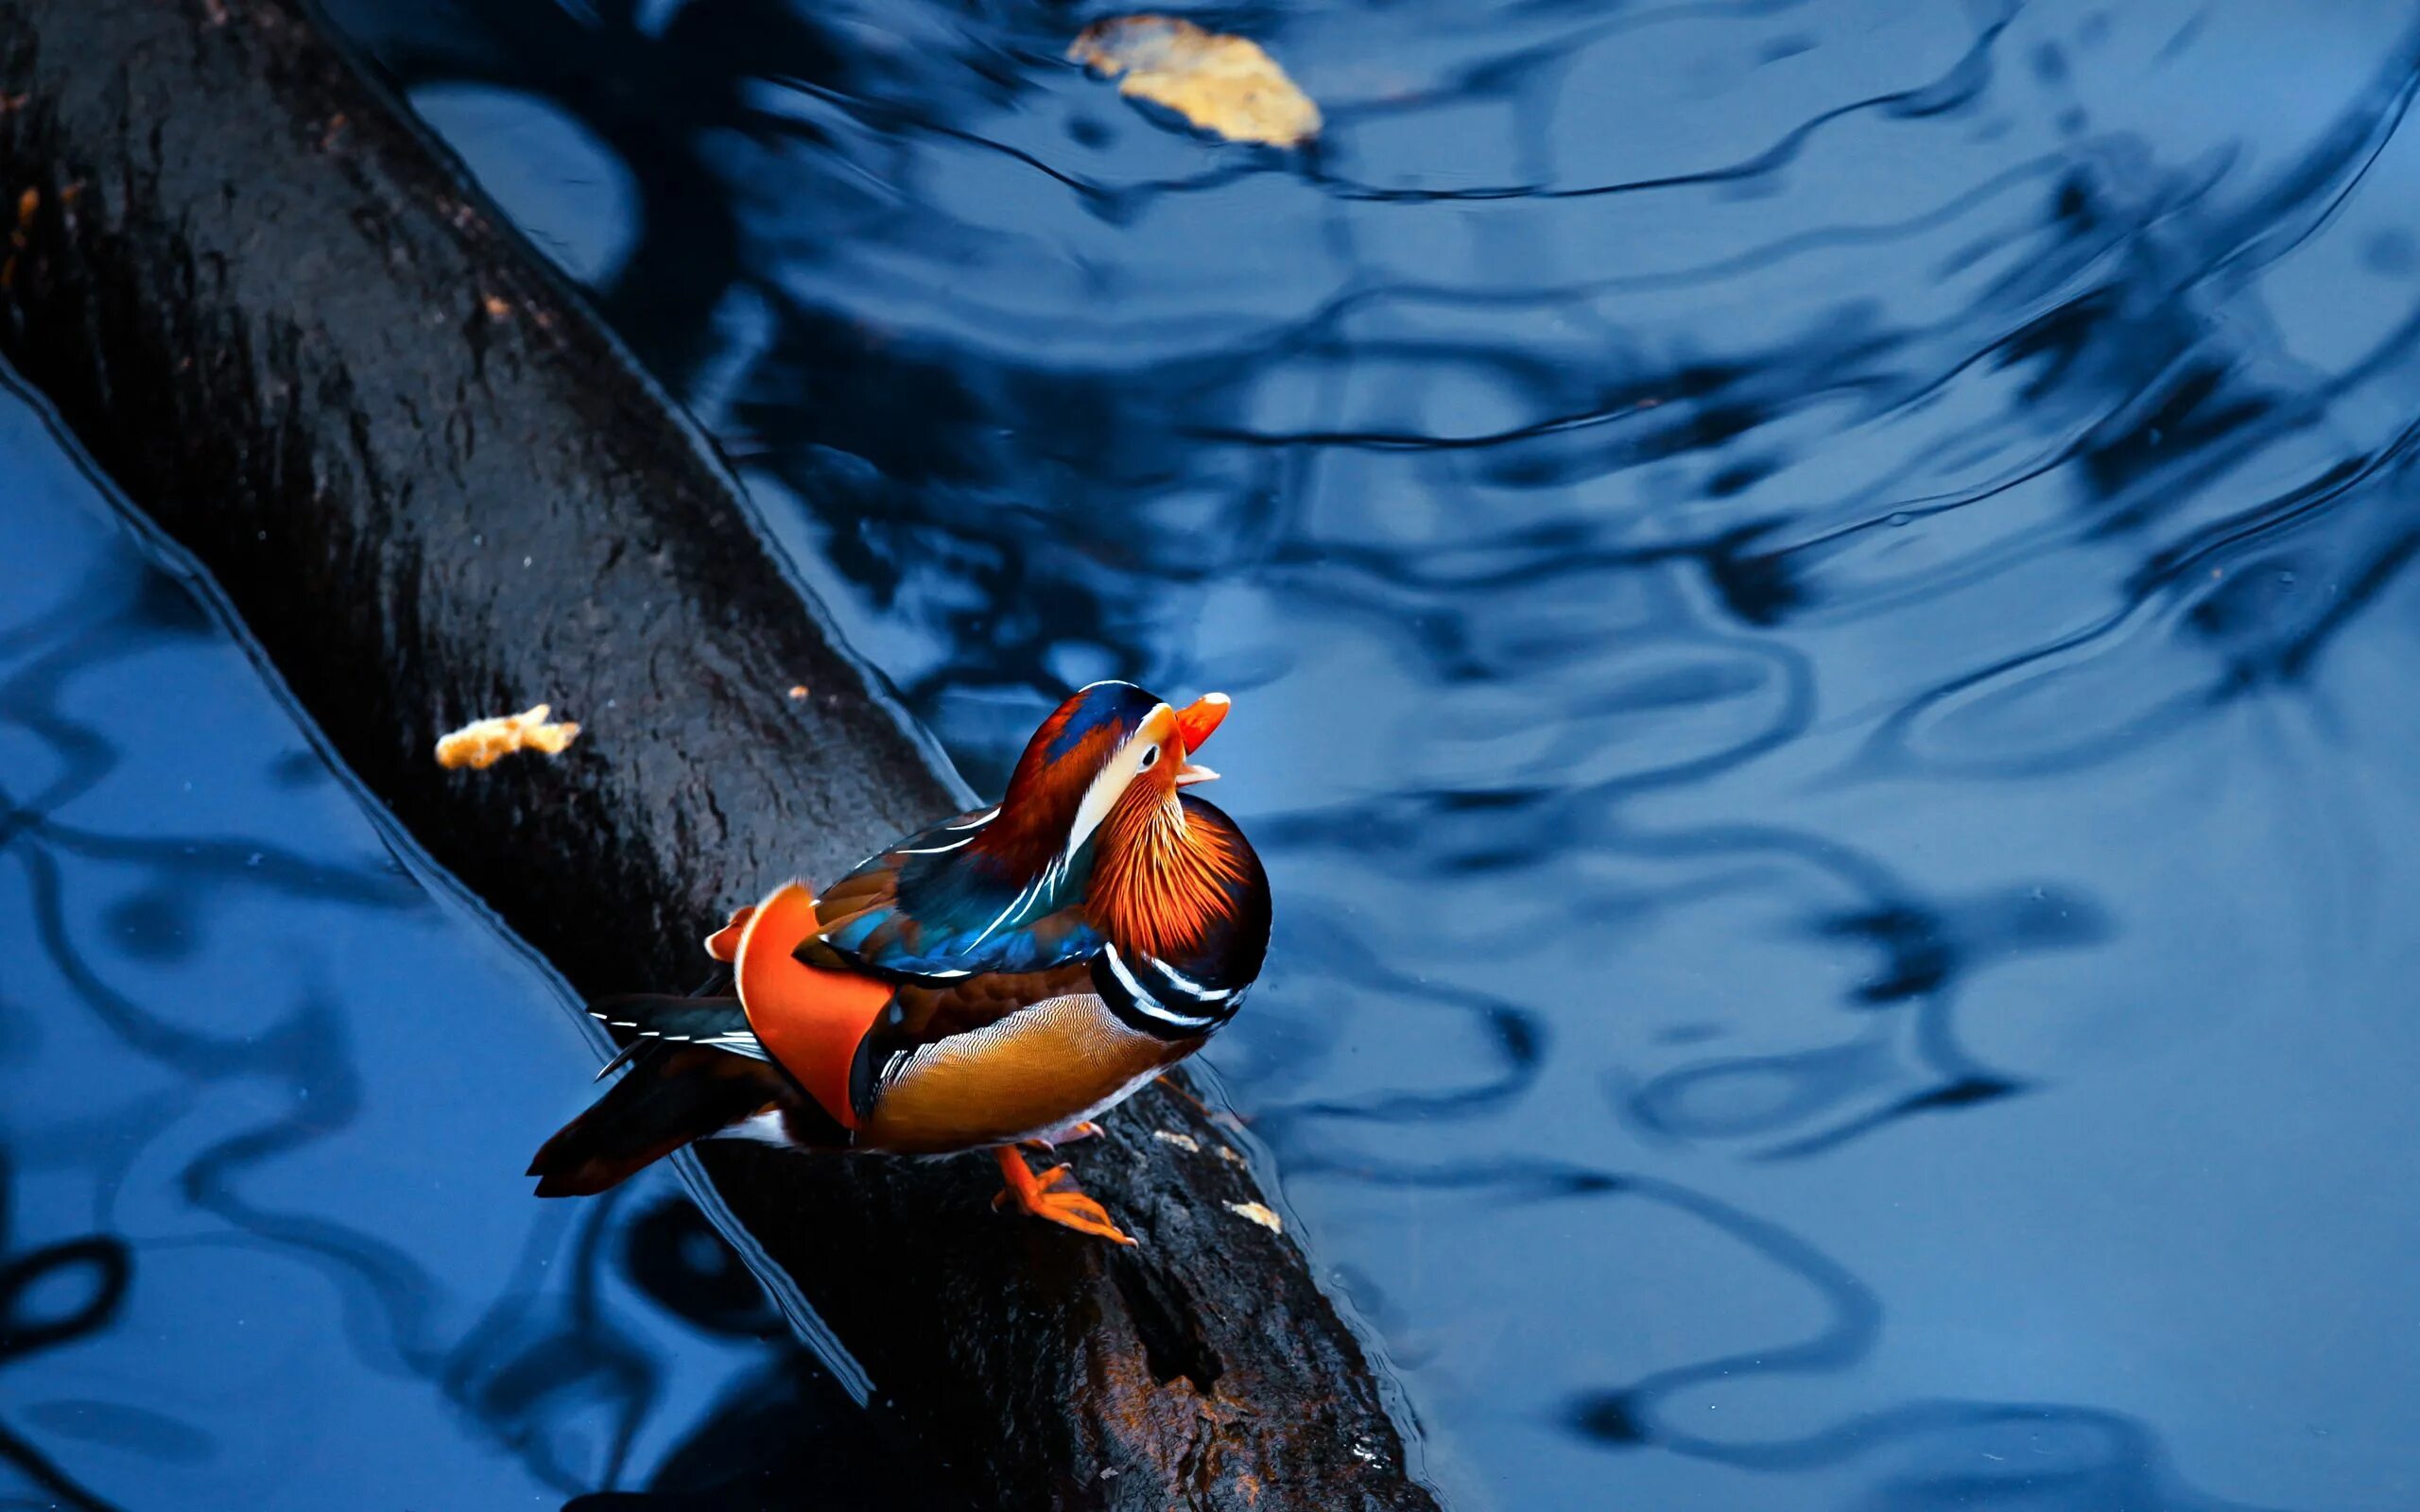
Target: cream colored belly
(1037, 1070)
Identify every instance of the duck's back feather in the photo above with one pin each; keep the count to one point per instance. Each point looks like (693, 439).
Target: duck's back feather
(938, 906)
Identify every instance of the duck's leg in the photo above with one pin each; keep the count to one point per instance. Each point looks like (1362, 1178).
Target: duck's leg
(1033, 1193)
(1066, 1134)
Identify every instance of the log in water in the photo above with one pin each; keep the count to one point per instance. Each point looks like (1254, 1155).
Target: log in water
(437, 490)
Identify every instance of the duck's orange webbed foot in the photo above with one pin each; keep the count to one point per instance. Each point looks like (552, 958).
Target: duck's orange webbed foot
(1033, 1193)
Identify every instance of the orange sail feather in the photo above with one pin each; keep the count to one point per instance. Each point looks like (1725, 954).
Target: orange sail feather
(810, 1019)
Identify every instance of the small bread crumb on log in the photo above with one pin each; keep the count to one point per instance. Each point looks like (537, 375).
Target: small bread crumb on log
(482, 743)
(1259, 1215)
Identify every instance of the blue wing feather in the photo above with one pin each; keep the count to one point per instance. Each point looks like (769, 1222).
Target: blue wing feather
(934, 906)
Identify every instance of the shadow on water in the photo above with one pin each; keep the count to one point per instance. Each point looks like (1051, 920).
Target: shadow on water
(269, 1083)
(1818, 595)
(94, 1270)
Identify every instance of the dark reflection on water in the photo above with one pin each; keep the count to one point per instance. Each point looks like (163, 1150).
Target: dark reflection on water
(266, 1088)
(1819, 597)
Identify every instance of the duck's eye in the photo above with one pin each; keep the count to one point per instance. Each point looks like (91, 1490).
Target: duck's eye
(1150, 759)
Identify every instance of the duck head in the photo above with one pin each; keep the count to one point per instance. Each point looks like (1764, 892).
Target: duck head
(1111, 749)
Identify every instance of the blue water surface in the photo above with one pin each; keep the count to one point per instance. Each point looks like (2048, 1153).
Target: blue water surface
(1818, 600)
(267, 1083)
(1816, 594)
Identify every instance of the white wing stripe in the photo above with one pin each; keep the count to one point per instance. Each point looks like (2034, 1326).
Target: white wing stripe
(934, 849)
(1015, 903)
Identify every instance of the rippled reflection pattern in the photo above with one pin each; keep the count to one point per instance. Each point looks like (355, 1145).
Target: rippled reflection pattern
(1817, 595)
(266, 1091)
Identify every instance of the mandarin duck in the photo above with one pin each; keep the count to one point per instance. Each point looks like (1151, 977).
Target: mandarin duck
(1001, 979)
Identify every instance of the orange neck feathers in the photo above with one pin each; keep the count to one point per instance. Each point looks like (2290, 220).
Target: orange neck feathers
(1158, 882)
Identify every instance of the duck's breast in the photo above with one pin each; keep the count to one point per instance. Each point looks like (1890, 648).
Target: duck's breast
(1053, 1063)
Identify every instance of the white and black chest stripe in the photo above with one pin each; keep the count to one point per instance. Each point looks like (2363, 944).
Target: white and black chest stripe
(1148, 993)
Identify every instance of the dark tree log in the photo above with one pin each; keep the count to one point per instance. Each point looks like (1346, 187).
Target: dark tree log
(437, 490)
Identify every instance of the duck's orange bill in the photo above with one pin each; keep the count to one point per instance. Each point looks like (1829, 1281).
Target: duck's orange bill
(1199, 719)
(809, 1019)
(1196, 724)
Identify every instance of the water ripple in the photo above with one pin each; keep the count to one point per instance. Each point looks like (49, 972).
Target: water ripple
(1817, 594)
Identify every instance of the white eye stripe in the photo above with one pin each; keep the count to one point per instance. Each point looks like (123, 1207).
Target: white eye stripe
(1107, 786)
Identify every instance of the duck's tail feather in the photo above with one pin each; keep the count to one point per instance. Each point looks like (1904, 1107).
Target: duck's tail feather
(675, 1093)
(653, 1017)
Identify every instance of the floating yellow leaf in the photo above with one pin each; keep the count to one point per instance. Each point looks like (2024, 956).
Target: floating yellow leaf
(482, 743)
(1219, 83)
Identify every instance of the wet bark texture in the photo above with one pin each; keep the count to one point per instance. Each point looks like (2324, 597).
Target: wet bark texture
(436, 489)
